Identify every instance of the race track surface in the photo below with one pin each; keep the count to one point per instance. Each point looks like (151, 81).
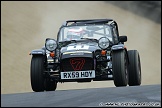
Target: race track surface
(147, 95)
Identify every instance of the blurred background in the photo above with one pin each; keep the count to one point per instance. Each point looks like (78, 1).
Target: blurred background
(26, 24)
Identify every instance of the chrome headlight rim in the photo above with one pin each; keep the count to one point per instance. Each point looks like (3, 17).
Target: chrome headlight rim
(50, 43)
(101, 41)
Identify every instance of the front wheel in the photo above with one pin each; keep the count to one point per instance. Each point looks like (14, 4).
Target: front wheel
(50, 85)
(119, 67)
(134, 68)
(36, 75)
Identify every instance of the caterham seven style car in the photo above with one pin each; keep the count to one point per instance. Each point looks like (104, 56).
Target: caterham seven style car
(85, 51)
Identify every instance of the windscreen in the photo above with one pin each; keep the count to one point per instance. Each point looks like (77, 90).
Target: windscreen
(88, 31)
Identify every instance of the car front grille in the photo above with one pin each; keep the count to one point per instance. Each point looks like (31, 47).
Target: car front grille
(77, 64)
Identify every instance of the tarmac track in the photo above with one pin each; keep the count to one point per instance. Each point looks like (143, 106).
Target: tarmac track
(147, 95)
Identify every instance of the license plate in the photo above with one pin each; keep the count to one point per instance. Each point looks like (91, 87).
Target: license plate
(78, 74)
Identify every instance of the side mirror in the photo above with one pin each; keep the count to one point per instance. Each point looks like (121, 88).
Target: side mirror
(122, 38)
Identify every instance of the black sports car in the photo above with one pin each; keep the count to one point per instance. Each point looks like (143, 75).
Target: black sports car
(85, 50)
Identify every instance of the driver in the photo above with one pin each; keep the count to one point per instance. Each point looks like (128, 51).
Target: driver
(74, 34)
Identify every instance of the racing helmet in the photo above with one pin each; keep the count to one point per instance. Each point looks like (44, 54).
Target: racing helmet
(74, 33)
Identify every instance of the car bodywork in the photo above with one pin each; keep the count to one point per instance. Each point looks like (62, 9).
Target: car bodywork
(85, 50)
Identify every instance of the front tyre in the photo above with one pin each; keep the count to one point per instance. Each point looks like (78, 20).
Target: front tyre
(36, 75)
(119, 67)
(134, 68)
(50, 85)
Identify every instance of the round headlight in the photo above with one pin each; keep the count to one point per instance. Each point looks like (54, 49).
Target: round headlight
(103, 43)
(50, 44)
